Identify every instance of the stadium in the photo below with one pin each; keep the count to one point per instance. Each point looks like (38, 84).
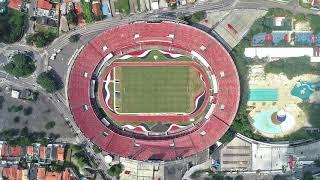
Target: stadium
(153, 90)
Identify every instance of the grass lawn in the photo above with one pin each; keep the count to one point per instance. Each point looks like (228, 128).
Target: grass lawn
(315, 23)
(157, 89)
(122, 6)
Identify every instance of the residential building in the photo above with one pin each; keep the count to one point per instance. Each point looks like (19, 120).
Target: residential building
(12, 173)
(15, 4)
(96, 8)
(41, 173)
(53, 176)
(60, 153)
(15, 151)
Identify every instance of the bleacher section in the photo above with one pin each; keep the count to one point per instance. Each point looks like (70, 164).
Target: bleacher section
(161, 147)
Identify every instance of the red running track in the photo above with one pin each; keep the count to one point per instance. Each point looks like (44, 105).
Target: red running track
(156, 146)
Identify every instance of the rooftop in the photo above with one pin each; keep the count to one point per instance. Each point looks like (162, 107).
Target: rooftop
(43, 4)
(15, 4)
(60, 153)
(15, 151)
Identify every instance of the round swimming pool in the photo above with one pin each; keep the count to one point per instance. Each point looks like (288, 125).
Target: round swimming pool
(263, 122)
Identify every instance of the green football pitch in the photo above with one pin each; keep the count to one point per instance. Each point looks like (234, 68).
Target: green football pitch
(157, 89)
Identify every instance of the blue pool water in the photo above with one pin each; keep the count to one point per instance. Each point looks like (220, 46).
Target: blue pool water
(263, 95)
(304, 89)
(263, 122)
(307, 38)
(275, 38)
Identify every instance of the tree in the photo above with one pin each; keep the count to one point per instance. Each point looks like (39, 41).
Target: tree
(307, 175)
(239, 177)
(11, 26)
(50, 125)
(41, 39)
(48, 82)
(74, 38)
(27, 111)
(317, 162)
(198, 16)
(87, 11)
(16, 119)
(115, 170)
(21, 66)
(72, 17)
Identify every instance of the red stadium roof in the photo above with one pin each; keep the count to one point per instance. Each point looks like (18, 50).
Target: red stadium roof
(167, 35)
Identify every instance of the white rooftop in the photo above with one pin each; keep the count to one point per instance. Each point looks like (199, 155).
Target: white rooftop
(15, 94)
(277, 52)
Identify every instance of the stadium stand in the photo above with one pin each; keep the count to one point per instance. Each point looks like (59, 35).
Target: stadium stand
(168, 146)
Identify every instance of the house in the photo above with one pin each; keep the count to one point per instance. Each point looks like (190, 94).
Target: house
(15, 94)
(60, 153)
(315, 4)
(42, 152)
(53, 176)
(12, 173)
(96, 8)
(27, 94)
(44, 8)
(106, 8)
(4, 151)
(29, 151)
(15, 4)
(44, 20)
(41, 174)
(15, 151)
(66, 175)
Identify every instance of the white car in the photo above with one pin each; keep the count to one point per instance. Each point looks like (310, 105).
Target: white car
(58, 51)
(53, 56)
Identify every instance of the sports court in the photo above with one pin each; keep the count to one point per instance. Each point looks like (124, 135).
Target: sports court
(156, 89)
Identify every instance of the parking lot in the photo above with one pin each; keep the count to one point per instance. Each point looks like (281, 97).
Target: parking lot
(13, 115)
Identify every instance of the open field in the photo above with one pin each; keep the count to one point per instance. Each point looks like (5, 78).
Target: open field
(157, 89)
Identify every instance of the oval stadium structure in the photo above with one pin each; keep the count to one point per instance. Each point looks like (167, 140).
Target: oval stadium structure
(153, 90)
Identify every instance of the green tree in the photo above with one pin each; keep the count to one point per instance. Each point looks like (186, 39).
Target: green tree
(87, 11)
(27, 111)
(314, 21)
(239, 177)
(317, 162)
(115, 170)
(74, 38)
(41, 39)
(198, 16)
(72, 17)
(48, 82)
(11, 26)
(307, 175)
(50, 125)
(21, 66)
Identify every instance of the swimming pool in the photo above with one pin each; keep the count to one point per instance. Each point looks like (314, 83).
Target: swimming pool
(263, 122)
(263, 95)
(274, 38)
(304, 89)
